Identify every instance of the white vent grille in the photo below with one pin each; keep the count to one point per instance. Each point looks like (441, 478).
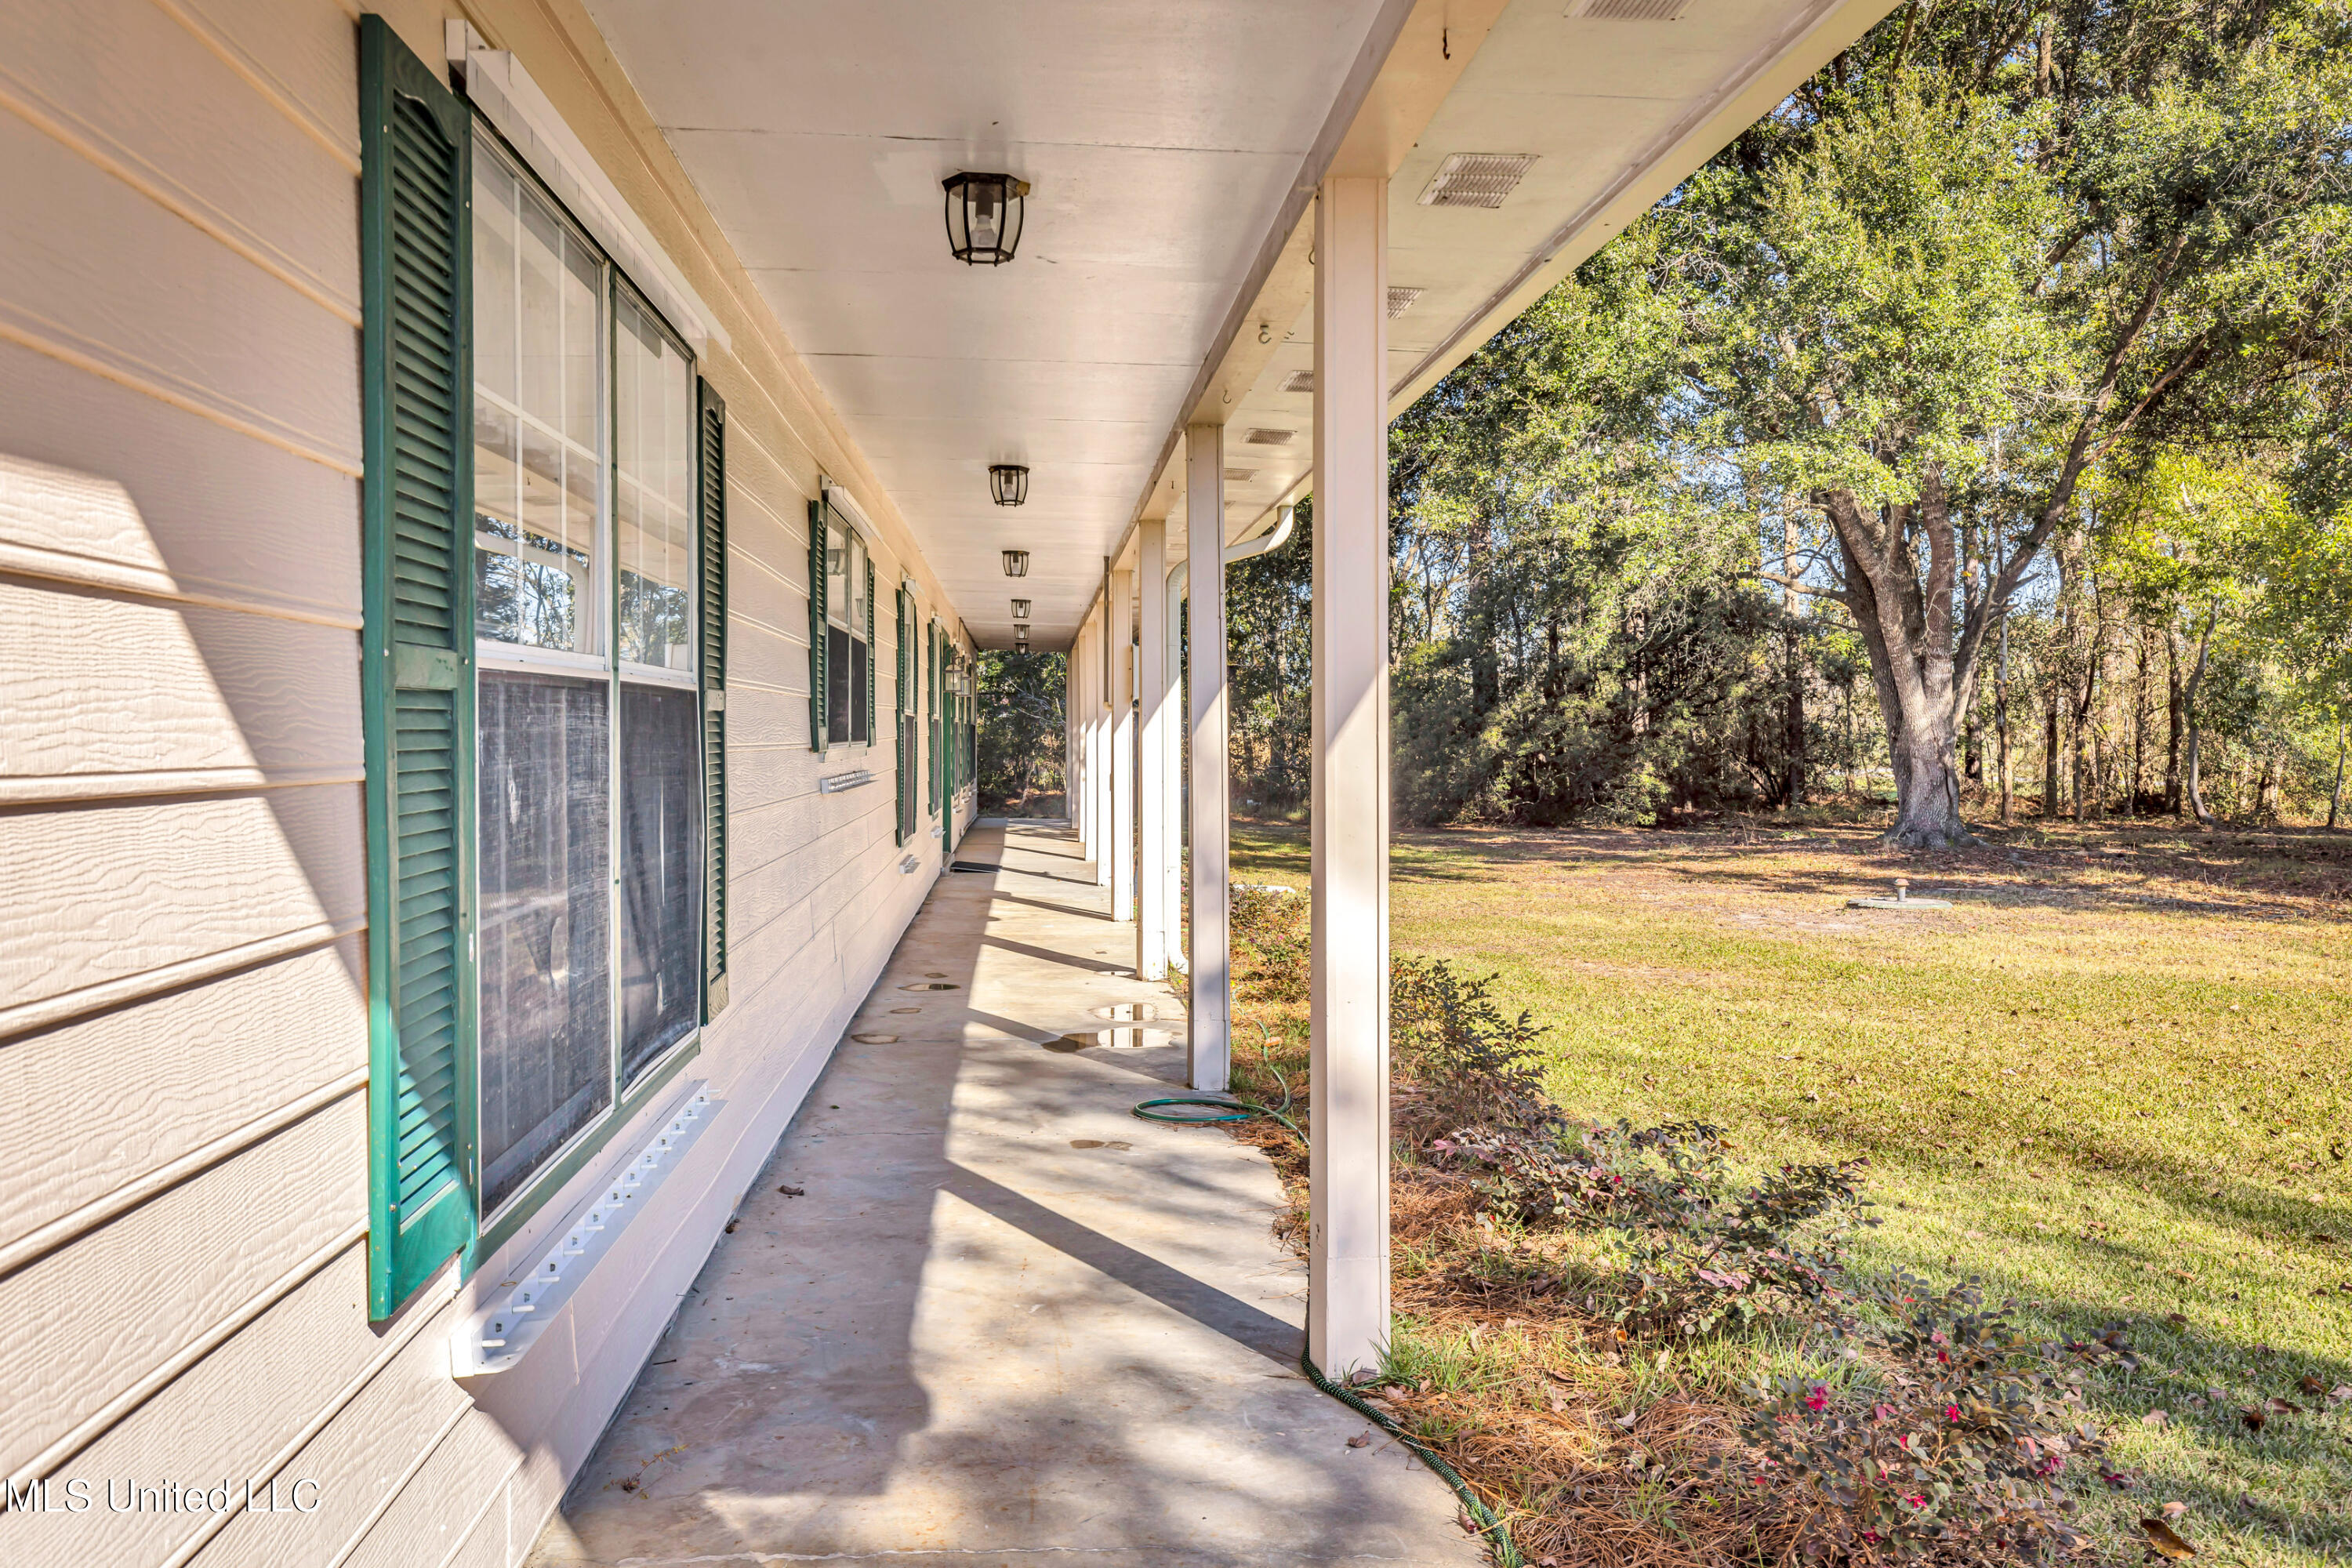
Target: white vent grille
(1299, 380)
(1401, 300)
(1488, 179)
(1628, 10)
(1264, 438)
(1241, 476)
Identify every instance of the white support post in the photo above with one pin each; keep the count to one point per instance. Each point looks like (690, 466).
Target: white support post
(1210, 1012)
(1151, 797)
(1348, 1173)
(1172, 770)
(1121, 618)
(1098, 671)
(1089, 828)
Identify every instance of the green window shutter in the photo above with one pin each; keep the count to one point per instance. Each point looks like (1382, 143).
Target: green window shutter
(710, 482)
(898, 722)
(872, 676)
(417, 641)
(931, 676)
(816, 626)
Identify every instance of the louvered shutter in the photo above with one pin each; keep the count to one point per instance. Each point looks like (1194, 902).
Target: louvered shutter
(817, 673)
(931, 678)
(710, 494)
(872, 675)
(898, 718)
(417, 687)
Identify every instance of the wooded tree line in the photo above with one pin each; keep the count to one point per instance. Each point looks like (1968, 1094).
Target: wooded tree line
(1980, 414)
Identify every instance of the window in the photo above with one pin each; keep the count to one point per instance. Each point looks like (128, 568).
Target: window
(590, 764)
(841, 631)
(544, 701)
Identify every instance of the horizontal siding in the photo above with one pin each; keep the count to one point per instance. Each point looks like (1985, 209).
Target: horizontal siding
(154, 105)
(85, 1326)
(128, 695)
(227, 339)
(101, 905)
(103, 485)
(181, 854)
(178, 1074)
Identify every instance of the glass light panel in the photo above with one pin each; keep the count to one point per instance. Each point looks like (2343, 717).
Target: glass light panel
(661, 873)
(546, 1028)
(539, 465)
(652, 501)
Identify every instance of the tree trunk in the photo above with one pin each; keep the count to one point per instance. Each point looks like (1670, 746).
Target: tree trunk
(1921, 676)
(2266, 792)
(2000, 728)
(2049, 758)
(2139, 731)
(1792, 653)
(2191, 786)
(2173, 720)
(2335, 796)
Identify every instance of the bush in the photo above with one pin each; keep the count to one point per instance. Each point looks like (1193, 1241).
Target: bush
(1955, 1456)
(1278, 928)
(1701, 1251)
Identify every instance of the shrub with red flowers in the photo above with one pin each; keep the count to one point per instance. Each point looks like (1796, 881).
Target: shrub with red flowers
(1955, 1447)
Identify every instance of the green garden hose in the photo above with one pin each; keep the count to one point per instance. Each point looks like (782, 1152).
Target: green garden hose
(1490, 1525)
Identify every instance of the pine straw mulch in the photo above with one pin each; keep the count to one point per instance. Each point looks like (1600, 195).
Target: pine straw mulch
(1540, 1406)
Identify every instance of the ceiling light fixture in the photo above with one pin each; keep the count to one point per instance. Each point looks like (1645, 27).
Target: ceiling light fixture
(1020, 609)
(1016, 564)
(1009, 483)
(985, 214)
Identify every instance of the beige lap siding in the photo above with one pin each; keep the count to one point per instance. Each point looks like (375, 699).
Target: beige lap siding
(183, 1028)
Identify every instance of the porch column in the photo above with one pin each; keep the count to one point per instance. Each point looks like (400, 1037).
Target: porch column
(1089, 826)
(1210, 1012)
(1098, 671)
(1172, 773)
(1150, 740)
(1120, 615)
(1348, 1175)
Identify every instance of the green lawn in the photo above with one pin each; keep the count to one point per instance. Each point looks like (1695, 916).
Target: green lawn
(2118, 1085)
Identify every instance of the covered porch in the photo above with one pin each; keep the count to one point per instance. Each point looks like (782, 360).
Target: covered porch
(972, 1306)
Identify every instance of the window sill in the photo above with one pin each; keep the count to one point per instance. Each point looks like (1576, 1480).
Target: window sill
(498, 1336)
(508, 1222)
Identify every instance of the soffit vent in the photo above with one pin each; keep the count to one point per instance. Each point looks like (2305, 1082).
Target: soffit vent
(1299, 380)
(1264, 438)
(1628, 10)
(1241, 476)
(1488, 179)
(1401, 300)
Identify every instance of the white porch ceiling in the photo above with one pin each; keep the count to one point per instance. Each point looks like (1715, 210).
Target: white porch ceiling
(1161, 141)
(1163, 144)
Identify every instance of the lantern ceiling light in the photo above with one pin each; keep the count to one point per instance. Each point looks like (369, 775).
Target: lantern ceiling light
(1009, 483)
(1020, 609)
(984, 217)
(1016, 564)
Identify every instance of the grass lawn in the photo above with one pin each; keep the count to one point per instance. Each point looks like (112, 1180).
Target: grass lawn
(2114, 1080)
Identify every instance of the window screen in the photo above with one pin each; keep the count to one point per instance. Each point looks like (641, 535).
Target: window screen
(546, 1011)
(661, 871)
(539, 393)
(653, 492)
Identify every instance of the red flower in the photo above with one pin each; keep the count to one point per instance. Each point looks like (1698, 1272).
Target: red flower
(1916, 1500)
(1951, 1413)
(1819, 1397)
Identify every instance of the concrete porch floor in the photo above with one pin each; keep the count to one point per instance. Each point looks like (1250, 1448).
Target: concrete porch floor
(1009, 1322)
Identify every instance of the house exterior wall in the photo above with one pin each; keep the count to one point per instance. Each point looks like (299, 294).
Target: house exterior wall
(183, 1040)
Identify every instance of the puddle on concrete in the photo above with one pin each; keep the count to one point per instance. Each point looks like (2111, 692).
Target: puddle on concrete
(1129, 1012)
(1098, 1144)
(906, 1010)
(875, 1040)
(931, 985)
(1110, 1039)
